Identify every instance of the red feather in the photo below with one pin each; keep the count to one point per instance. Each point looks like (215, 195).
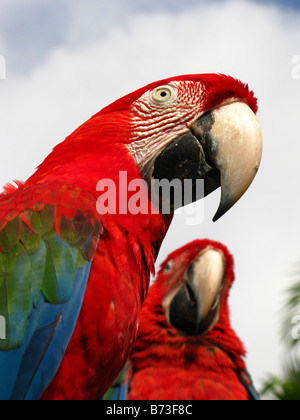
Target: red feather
(218, 87)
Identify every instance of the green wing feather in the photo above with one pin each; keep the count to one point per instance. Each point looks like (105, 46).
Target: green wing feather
(45, 235)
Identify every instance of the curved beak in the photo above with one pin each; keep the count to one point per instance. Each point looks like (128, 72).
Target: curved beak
(232, 140)
(195, 307)
(223, 148)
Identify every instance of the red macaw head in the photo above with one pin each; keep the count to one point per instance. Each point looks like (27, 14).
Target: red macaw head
(185, 346)
(194, 127)
(189, 297)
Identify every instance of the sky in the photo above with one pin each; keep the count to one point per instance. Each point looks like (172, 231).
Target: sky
(64, 61)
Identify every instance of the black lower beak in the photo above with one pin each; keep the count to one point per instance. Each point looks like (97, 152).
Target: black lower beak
(184, 159)
(183, 311)
(186, 313)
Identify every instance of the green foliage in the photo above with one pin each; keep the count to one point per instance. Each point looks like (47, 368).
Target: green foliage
(284, 389)
(287, 387)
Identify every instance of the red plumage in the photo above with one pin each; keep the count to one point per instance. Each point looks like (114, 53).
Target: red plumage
(127, 249)
(167, 364)
(218, 88)
(120, 272)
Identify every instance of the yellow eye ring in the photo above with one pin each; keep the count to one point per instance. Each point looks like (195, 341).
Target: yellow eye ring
(162, 94)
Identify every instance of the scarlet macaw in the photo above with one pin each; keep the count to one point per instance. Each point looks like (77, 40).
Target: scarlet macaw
(73, 277)
(186, 348)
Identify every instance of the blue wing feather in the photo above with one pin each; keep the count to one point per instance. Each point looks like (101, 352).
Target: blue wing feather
(121, 393)
(52, 327)
(246, 381)
(253, 394)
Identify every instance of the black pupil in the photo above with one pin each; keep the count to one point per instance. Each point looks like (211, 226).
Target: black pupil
(163, 94)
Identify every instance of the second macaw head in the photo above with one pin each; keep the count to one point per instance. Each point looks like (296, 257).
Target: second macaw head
(185, 346)
(189, 297)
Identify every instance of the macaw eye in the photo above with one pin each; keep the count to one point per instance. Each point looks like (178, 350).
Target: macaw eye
(162, 94)
(168, 267)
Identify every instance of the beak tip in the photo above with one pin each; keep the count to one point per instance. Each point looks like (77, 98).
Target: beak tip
(216, 217)
(227, 201)
(219, 214)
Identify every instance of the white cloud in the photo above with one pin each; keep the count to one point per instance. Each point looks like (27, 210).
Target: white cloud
(253, 42)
